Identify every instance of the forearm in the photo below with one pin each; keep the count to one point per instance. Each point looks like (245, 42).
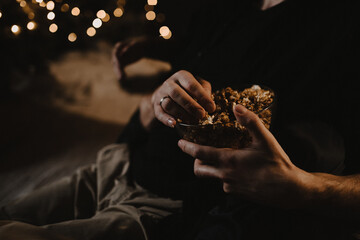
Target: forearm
(332, 195)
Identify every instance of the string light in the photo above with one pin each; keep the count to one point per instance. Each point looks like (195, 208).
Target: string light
(72, 37)
(0, 14)
(50, 5)
(152, 2)
(164, 31)
(91, 31)
(51, 16)
(30, 8)
(150, 15)
(53, 28)
(168, 36)
(15, 29)
(106, 18)
(31, 25)
(101, 14)
(97, 23)
(65, 7)
(75, 11)
(118, 12)
(31, 15)
(23, 3)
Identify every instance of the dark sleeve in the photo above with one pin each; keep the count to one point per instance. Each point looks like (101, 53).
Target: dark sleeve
(133, 133)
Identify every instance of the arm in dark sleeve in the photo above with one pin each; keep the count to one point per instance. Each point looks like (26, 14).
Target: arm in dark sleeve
(133, 133)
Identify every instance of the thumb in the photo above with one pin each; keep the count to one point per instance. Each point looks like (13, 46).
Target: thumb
(252, 122)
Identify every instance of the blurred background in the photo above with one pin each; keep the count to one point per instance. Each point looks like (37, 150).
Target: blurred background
(60, 101)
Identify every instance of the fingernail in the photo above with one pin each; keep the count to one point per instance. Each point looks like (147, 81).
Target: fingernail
(180, 143)
(171, 122)
(240, 109)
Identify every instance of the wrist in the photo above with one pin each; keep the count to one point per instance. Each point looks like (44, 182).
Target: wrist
(147, 114)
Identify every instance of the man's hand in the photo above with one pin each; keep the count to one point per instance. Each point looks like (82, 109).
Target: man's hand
(182, 96)
(261, 172)
(125, 53)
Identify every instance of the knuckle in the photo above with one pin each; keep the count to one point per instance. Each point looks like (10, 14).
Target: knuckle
(173, 93)
(166, 105)
(182, 73)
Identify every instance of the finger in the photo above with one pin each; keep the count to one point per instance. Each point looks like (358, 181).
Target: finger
(253, 123)
(196, 90)
(182, 98)
(173, 109)
(204, 170)
(206, 153)
(164, 117)
(207, 87)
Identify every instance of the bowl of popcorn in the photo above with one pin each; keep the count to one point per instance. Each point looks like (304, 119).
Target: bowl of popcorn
(220, 128)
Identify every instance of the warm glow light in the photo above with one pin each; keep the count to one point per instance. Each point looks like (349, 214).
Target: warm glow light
(152, 2)
(53, 28)
(42, 4)
(31, 15)
(31, 25)
(39, 1)
(50, 5)
(23, 3)
(151, 15)
(0, 14)
(164, 31)
(91, 31)
(101, 14)
(65, 7)
(168, 36)
(15, 29)
(51, 16)
(72, 37)
(118, 12)
(75, 11)
(97, 23)
(106, 18)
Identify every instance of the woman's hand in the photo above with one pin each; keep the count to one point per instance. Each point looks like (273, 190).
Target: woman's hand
(182, 96)
(261, 172)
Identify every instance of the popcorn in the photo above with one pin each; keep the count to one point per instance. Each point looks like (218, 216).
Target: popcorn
(220, 128)
(255, 99)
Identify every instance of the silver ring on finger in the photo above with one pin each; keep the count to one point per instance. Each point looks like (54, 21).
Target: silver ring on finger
(162, 100)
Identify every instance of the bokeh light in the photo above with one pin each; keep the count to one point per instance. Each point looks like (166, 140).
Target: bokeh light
(150, 15)
(65, 7)
(101, 14)
(53, 28)
(97, 23)
(72, 37)
(118, 12)
(152, 2)
(15, 29)
(50, 5)
(51, 16)
(75, 11)
(31, 25)
(91, 31)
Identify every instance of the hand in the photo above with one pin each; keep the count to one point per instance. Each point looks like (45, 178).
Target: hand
(181, 90)
(125, 53)
(261, 172)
